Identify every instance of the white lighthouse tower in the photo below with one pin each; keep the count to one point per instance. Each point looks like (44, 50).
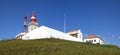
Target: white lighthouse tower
(33, 24)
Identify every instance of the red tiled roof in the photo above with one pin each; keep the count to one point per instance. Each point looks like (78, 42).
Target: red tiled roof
(92, 36)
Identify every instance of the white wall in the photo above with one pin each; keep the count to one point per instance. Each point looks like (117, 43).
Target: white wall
(46, 32)
(32, 26)
(98, 40)
(80, 35)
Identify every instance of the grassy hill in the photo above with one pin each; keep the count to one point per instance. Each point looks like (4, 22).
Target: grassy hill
(54, 47)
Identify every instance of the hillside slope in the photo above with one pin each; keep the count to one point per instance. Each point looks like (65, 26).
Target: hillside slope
(54, 47)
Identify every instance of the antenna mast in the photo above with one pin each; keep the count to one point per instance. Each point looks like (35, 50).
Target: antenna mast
(25, 23)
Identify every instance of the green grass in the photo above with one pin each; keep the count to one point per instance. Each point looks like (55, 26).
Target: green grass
(54, 47)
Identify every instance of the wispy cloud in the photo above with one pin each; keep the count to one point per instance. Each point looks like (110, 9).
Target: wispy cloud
(110, 38)
(119, 38)
(84, 35)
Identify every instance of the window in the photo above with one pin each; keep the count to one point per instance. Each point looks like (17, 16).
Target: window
(91, 40)
(94, 40)
(74, 35)
(87, 41)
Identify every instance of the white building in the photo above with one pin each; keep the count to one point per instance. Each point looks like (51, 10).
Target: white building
(94, 39)
(19, 36)
(76, 34)
(46, 32)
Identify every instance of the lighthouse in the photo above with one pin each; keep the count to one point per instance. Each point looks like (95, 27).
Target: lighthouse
(36, 32)
(33, 24)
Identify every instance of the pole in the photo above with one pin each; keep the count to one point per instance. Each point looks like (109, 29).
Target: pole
(64, 23)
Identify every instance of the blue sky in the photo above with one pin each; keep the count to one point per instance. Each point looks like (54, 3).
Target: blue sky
(92, 17)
